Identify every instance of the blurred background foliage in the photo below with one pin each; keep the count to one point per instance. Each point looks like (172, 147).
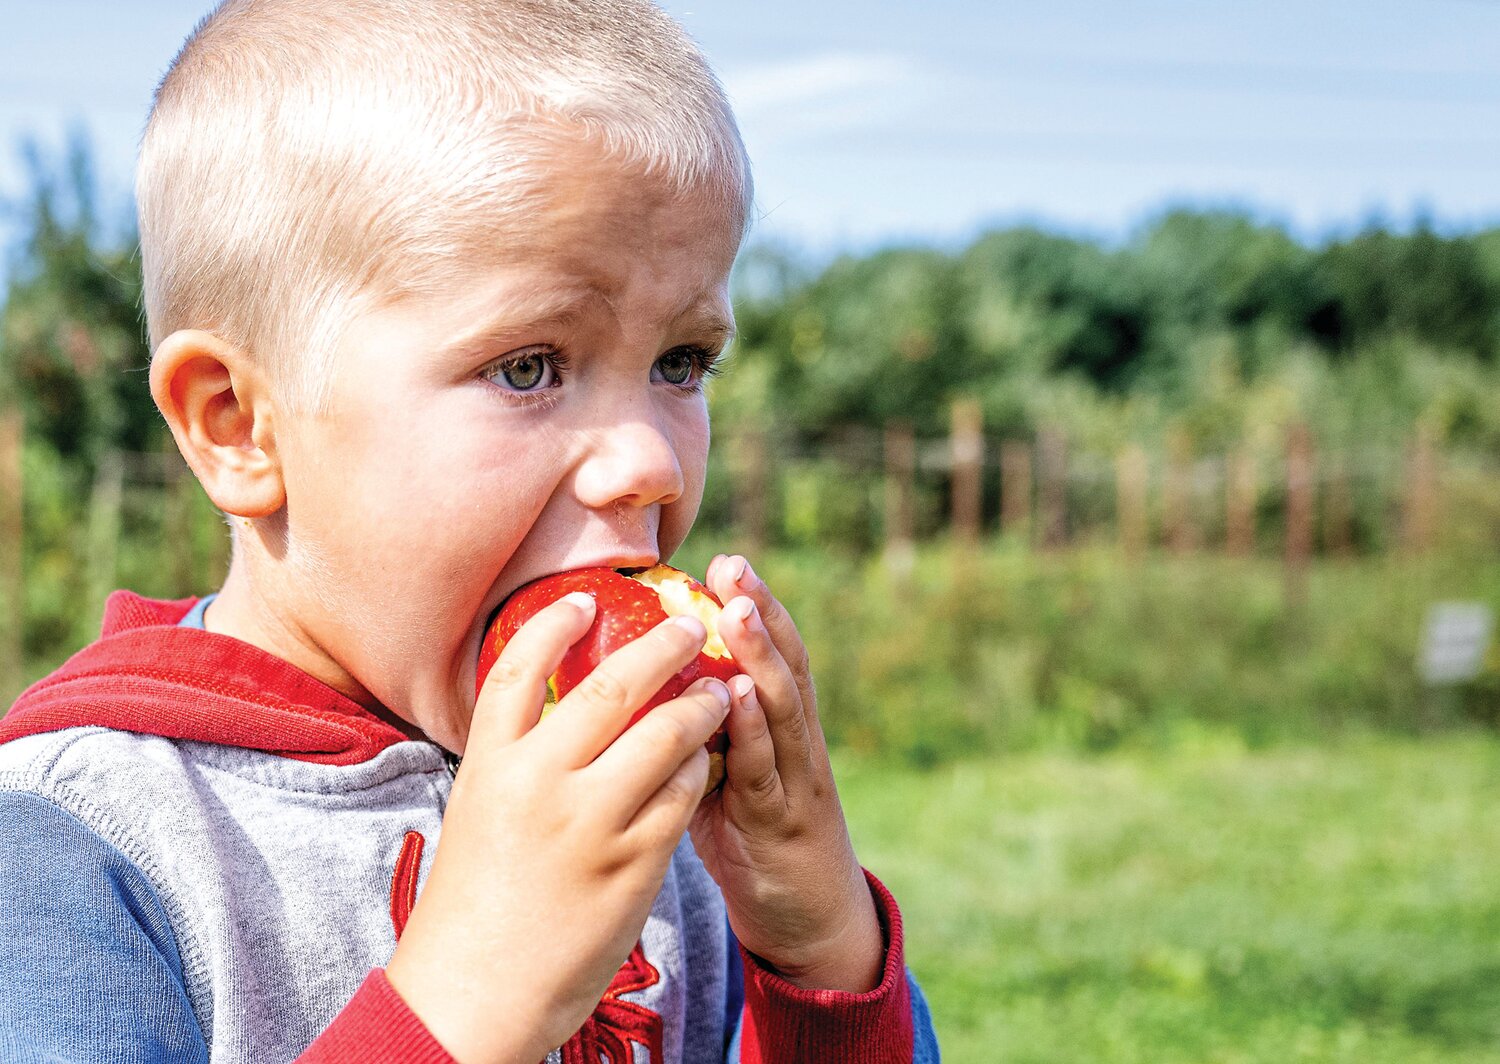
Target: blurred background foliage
(1212, 319)
(73, 343)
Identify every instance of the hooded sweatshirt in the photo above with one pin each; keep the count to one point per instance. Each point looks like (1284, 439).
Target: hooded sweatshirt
(209, 856)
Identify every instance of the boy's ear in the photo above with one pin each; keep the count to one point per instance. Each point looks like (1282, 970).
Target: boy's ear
(219, 405)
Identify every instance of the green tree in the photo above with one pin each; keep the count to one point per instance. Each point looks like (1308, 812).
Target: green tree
(73, 353)
(1436, 289)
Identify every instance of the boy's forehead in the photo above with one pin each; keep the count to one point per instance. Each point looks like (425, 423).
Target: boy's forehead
(580, 195)
(585, 256)
(597, 236)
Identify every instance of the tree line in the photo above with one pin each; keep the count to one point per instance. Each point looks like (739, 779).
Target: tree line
(1216, 321)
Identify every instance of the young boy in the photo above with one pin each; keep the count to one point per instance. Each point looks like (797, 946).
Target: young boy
(432, 290)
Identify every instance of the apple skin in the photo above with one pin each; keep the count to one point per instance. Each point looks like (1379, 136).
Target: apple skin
(628, 606)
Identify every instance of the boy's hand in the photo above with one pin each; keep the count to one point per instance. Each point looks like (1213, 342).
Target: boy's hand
(556, 839)
(774, 836)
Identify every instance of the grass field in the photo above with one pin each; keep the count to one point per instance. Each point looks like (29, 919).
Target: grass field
(1202, 904)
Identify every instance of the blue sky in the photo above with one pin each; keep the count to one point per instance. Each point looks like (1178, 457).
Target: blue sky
(878, 121)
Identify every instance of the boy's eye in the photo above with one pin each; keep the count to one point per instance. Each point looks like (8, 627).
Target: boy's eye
(687, 367)
(676, 366)
(538, 369)
(528, 372)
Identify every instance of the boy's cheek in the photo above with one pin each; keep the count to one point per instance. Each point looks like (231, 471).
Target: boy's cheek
(676, 522)
(678, 516)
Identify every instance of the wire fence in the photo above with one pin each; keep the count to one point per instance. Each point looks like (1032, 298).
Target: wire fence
(1289, 495)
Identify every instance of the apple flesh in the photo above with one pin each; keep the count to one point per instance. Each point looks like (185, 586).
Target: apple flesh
(629, 603)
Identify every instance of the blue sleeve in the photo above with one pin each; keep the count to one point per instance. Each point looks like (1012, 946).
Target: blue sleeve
(89, 968)
(924, 1042)
(734, 1000)
(925, 1046)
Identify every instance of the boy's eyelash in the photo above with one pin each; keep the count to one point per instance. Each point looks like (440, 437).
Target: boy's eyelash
(705, 361)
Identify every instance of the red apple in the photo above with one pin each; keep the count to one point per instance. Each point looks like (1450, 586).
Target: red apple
(629, 603)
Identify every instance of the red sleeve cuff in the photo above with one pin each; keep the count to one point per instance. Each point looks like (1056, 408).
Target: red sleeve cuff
(786, 1023)
(376, 1027)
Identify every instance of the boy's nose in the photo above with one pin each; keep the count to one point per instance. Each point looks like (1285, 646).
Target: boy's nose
(631, 461)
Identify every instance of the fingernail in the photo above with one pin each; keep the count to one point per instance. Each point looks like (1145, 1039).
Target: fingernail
(691, 625)
(743, 610)
(582, 599)
(745, 576)
(719, 691)
(742, 686)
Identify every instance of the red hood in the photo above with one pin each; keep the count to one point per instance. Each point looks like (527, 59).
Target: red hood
(144, 674)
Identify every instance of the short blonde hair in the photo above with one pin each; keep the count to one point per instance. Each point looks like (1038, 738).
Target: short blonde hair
(305, 159)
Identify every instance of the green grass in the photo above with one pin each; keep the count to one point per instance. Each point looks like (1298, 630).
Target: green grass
(1200, 904)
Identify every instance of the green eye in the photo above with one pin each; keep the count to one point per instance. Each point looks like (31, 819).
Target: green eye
(676, 367)
(528, 371)
(525, 374)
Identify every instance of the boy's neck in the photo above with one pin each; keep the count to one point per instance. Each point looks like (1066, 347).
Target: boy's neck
(238, 611)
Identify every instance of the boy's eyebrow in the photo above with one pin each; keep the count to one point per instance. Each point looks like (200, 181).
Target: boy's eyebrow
(527, 309)
(534, 309)
(710, 324)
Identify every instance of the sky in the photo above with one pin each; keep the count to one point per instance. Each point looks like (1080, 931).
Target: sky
(929, 120)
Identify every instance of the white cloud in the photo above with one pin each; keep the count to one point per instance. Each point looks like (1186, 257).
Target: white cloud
(778, 86)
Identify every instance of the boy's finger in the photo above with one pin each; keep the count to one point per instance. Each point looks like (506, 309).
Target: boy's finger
(515, 689)
(735, 577)
(750, 764)
(665, 815)
(776, 689)
(593, 714)
(638, 763)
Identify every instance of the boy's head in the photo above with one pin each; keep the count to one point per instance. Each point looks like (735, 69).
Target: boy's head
(307, 159)
(431, 290)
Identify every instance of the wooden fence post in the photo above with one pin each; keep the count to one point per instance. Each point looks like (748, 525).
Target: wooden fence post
(105, 503)
(1299, 513)
(1052, 497)
(1015, 490)
(1240, 491)
(751, 505)
(1338, 509)
(1132, 478)
(900, 496)
(968, 470)
(1177, 494)
(12, 572)
(1419, 505)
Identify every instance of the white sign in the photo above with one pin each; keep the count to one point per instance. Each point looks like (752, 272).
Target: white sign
(1455, 641)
